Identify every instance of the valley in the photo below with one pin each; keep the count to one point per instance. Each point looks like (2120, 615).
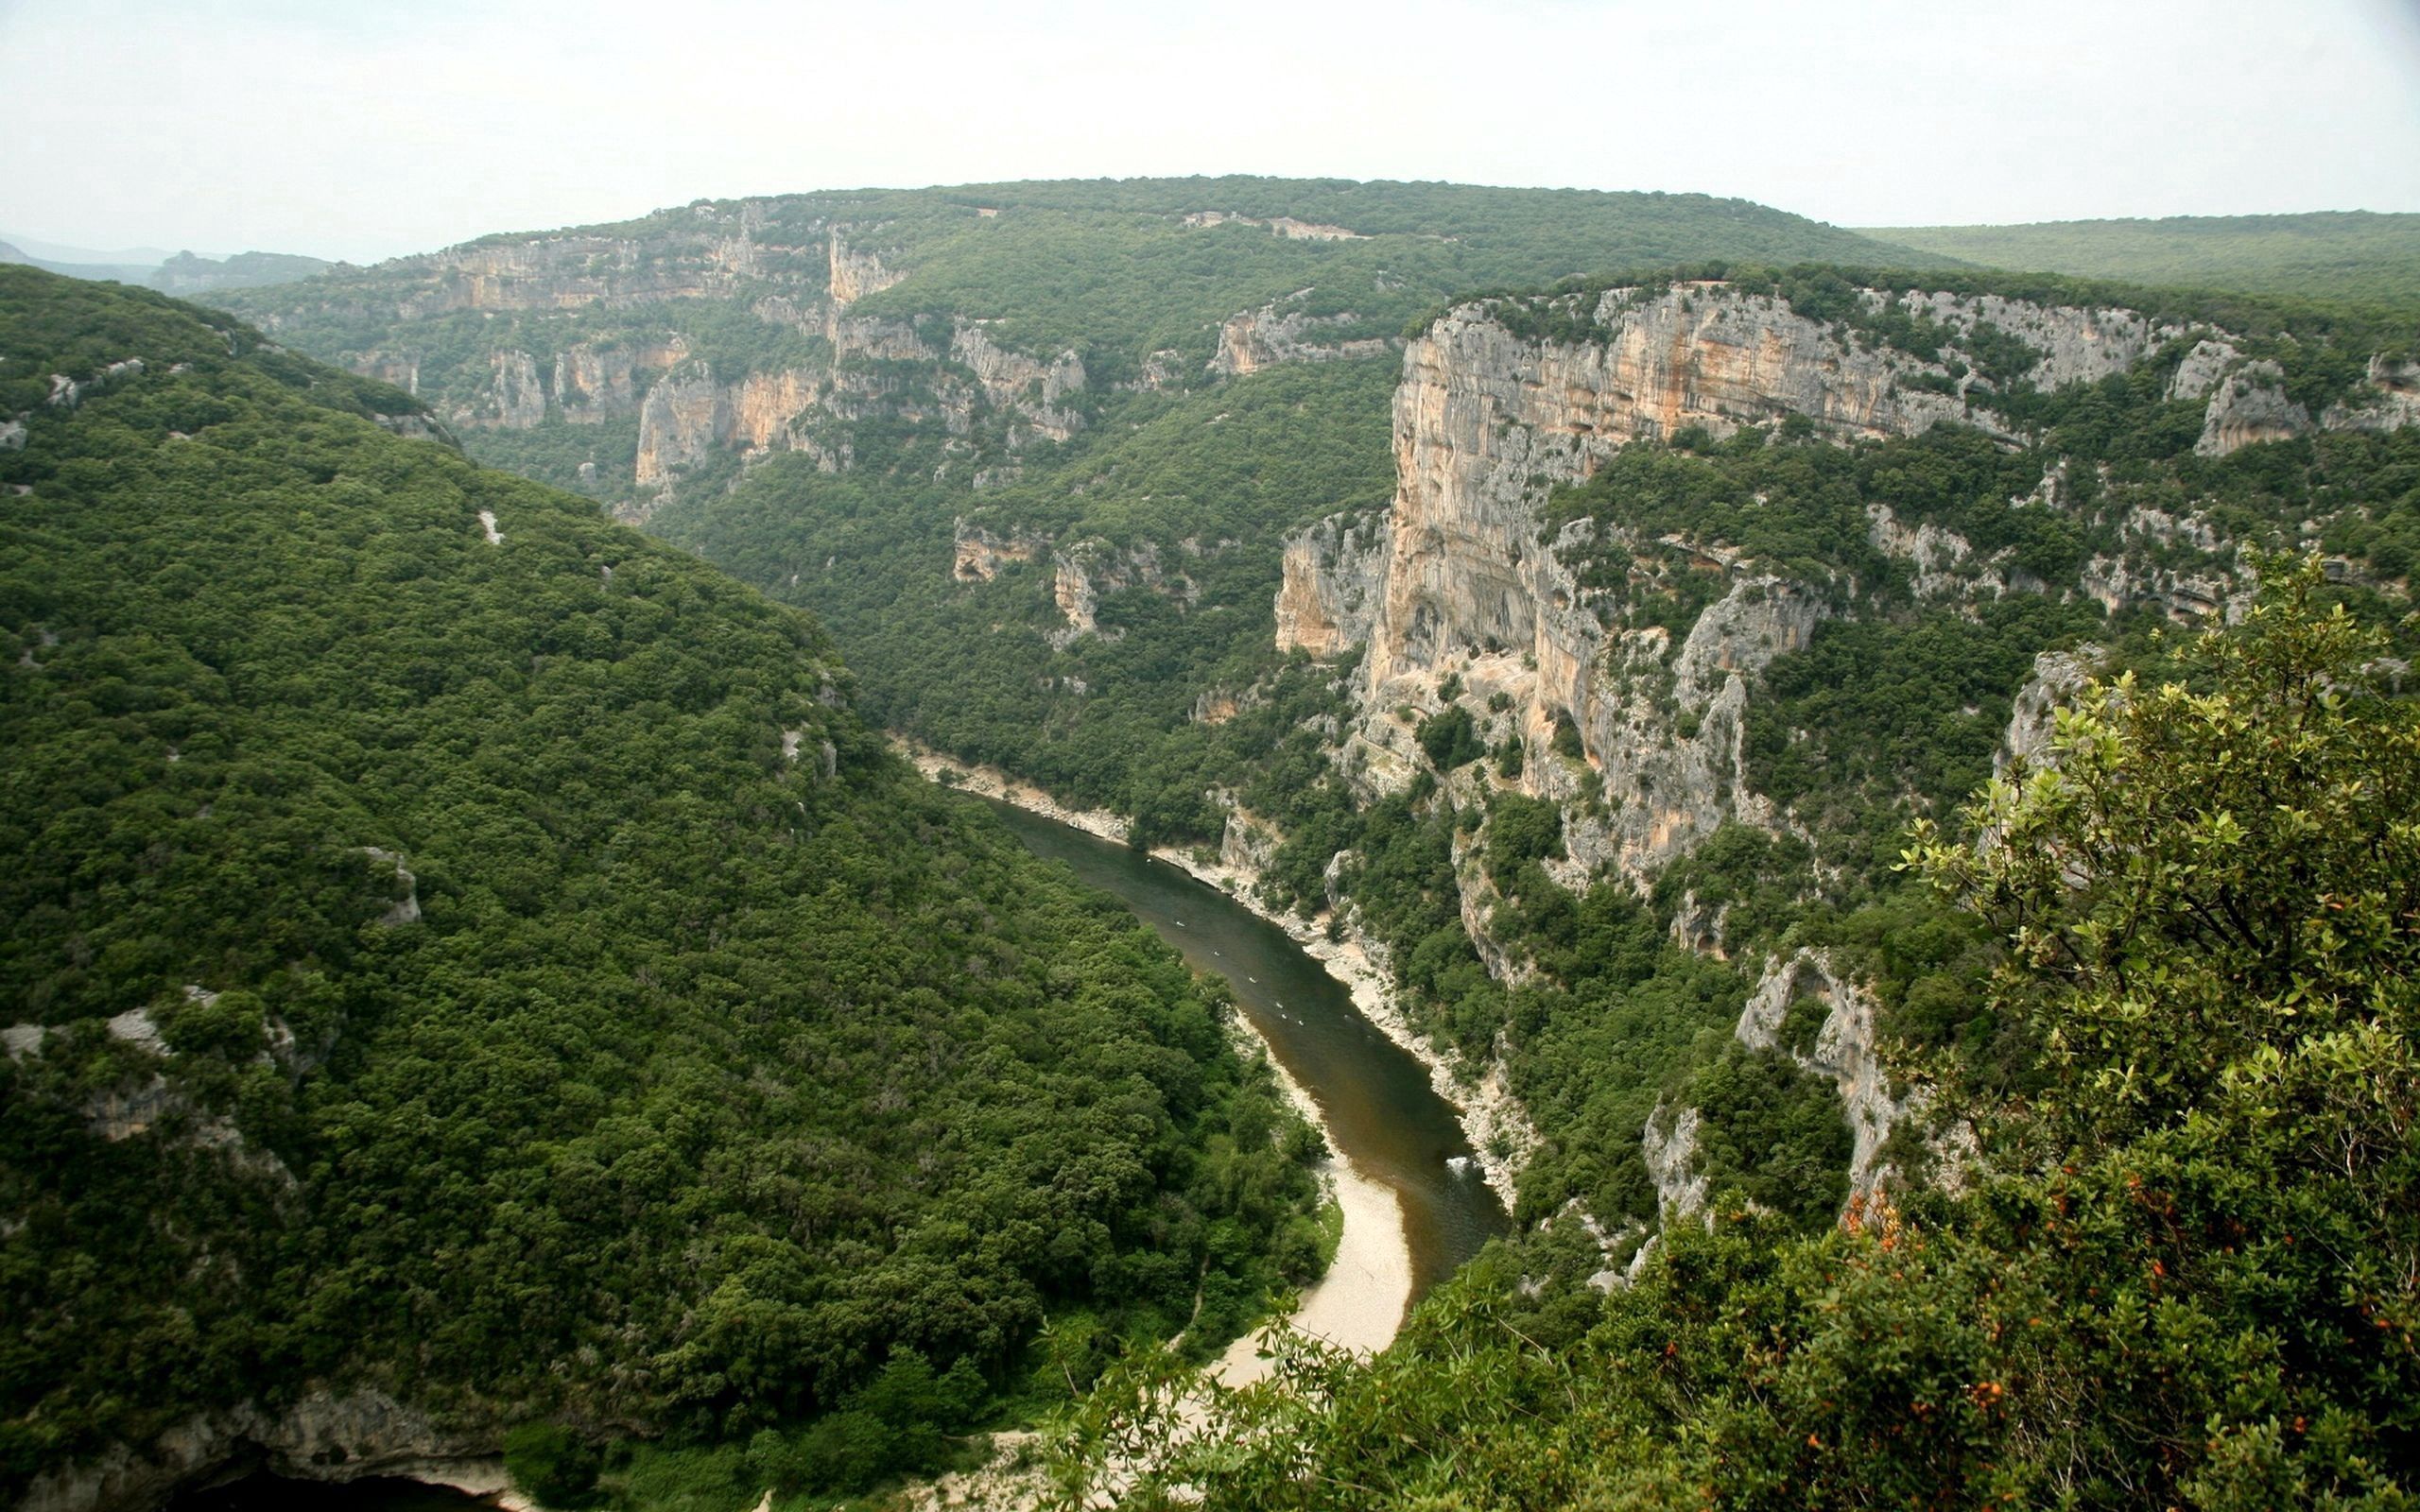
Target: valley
(1705, 780)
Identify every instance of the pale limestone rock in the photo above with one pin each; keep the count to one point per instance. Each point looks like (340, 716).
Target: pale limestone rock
(855, 273)
(403, 910)
(2058, 679)
(1253, 339)
(979, 555)
(1671, 1156)
(1936, 552)
(2389, 399)
(1335, 579)
(1846, 1051)
(321, 1437)
(2202, 369)
(2251, 406)
(1029, 387)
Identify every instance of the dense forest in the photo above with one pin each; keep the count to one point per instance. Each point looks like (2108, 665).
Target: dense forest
(466, 951)
(2352, 257)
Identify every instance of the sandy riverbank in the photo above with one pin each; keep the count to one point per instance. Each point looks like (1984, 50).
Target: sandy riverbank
(1493, 1120)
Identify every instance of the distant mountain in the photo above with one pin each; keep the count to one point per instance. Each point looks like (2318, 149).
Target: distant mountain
(184, 273)
(35, 247)
(2353, 255)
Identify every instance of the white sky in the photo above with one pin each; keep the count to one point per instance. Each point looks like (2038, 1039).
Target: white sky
(364, 130)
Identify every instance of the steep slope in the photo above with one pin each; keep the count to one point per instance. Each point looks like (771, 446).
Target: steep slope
(2356, 256)
(470, 965)
(1692, 594)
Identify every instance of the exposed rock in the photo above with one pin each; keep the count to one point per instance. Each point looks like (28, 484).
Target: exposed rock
(594, 383)
(2058, 679)
(1937, 553)
(322, 1437)
(2202, 367)
(856, 273)
(1845, 1050)
(2251, 406)
(1335, 579)
(1082, 572)
(1254, 339)
(513, 400)
(397, 367)
(1247, 843)
(12, 436)
(979, 554)
(2388, 400)
(1013, 380)
(1671, 1156)
(405, 909)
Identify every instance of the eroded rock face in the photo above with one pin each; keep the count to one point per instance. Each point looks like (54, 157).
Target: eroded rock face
(1335, 578)
(2057, 681)
(1037, 390)
(322, 1437)
(2250, 405)
(2389, 399)
(1845, 1051)
(595, 383)
(513, 400)
(1253, 339)
(979, 555)
(856, 273)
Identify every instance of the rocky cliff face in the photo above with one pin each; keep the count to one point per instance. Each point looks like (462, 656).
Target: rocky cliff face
(322, 1437)
(1253, 339)
(1336, 573)
(1467, 590)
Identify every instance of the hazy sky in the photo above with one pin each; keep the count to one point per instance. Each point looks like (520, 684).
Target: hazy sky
(364, 130)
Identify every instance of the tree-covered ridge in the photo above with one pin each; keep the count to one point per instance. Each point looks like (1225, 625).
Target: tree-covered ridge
(460, 948)
(2178, 1271)
(2354, 257)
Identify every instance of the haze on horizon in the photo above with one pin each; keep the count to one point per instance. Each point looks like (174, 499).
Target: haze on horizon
(357, 132)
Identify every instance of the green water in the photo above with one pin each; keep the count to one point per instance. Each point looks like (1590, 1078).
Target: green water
(1382, 1112)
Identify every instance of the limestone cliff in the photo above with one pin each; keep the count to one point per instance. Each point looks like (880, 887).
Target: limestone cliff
(324, 1437)
(1336, 571)
(1253, 339)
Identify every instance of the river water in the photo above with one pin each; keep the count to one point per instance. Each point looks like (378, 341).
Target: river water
(1382, 1115)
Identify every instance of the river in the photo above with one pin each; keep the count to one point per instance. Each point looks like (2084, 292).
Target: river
(1383, 1117)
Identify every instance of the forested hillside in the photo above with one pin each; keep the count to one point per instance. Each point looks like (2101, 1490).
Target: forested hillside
(2354, 256)
(473, 966)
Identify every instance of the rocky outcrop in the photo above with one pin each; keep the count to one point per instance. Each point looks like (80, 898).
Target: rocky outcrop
(683, 417)
(856, 273)
(513, 399)
(689, 415)
(322, 1437)
(1083, 573)
(1034, 389)
(1668, 1144)
(2388, 400)
(978, 554)
(2250, 406)
(595, 383)
(1845, 1051)
(2058, 679)
(1335, 578)
(1253, 339)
